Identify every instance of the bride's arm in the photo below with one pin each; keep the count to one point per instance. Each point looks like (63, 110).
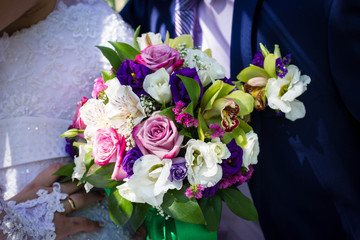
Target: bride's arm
(18, 14)
(23, 216)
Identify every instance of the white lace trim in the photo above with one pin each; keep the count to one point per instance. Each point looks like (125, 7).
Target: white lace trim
(32, 219)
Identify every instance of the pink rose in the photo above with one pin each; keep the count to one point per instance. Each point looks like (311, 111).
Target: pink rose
(158, 135)
(108, 147)
(160, 56)
(99, 86)
(76, 120)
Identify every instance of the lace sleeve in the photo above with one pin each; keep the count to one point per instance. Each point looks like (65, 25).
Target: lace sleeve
(32, 219)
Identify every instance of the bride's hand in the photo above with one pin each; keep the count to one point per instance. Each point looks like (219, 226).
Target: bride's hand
(64, 225)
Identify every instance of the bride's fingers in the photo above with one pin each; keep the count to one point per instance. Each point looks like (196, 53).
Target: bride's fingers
(46, 178)
(70, 187)
(80, 200)
(65, 226)
(82, 224)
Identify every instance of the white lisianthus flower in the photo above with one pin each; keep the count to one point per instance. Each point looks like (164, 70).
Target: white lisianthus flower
(202, 163)
(80, 167)
(219, 149)
(157, 85)
(208, 69)
(282, 93)
(149, 182)
(148, 39)
(123, 109)
(251, 150)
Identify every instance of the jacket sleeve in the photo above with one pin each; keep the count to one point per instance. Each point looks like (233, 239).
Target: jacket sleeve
(344, 52)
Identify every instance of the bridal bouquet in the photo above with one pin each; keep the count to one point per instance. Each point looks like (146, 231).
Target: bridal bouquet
(166, 133)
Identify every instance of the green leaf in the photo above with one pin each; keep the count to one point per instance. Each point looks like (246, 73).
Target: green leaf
(238, 134)
(208, 52)
(239, 204)
(107, 75)
(202, 126)
(277, 52)
(168, 112)
(264, 50)
(120, 209)
(167, 38)
(251, 72)
(138, 216)
(269, 65)
(125, 51)
(185, 132)
(65, 179)
(244, 126)
(178, 206)
(88, 160)
(193, 89)
(211, 208)
(101, 176)
(66, 170)
(112, 56)
(136, 34)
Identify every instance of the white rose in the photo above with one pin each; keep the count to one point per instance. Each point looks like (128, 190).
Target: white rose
(251, 150)
(80, 167)
(148, 39)
(209, 70)
(282, 93)
(150, 181)
(157, 85)
(202, 164)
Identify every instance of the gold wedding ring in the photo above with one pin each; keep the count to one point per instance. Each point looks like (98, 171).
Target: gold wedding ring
(72, 203)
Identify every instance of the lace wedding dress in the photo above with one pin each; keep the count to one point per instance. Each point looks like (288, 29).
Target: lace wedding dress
(44, 72)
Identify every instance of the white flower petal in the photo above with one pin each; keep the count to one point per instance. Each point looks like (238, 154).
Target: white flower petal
(94, 116)
(205, 170)
(128, 193)
(147, 184)
(154, 39)
(123, 109)
(297, 111)
(157, 85)
(252, 149)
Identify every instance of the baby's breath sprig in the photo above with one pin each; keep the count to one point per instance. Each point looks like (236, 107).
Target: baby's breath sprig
(149, 104)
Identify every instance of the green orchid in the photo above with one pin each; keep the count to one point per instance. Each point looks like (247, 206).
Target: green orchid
(224, 105)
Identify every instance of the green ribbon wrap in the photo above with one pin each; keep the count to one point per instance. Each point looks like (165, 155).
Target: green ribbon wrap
(158, 228)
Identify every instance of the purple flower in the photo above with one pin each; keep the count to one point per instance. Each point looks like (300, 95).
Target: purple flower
(258, 60)
(129, 159)
(210, 191)
(281, 69)
(133, 74)
(177, 87)
(228, 81)
(69, 147)
(178, 169)
(232, 165)
(287, 60)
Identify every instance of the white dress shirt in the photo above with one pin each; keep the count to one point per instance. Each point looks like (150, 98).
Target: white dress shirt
(214, 31)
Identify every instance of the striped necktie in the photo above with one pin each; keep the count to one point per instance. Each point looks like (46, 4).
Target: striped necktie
(185, 11)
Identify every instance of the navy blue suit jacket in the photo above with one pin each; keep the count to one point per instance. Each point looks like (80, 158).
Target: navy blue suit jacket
(306, 184)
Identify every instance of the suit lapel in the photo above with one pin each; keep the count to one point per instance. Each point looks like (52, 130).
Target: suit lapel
(242, 25)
